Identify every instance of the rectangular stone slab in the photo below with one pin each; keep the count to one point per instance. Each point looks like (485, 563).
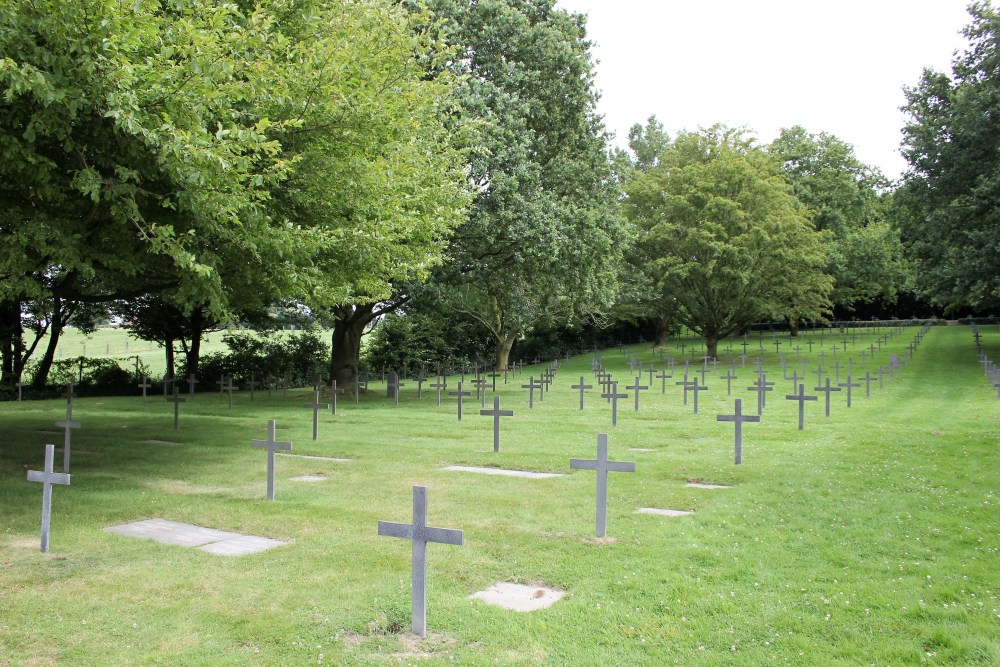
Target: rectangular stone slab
(172, 532)
(662, 512)
(698, 485)
(505, 473)
(241, 545)
(308, 478)
(317, 458)
(519, 597)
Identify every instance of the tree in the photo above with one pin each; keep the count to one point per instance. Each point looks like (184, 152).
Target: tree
(219, 150)
(725, 236)
(947, 205)
(544, 238)
(846, 200)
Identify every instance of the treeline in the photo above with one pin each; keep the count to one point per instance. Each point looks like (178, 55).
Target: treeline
(188, 165)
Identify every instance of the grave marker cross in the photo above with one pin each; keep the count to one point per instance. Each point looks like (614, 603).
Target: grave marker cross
(738, 420)
(531, 387)
(603, 466)
(696, 388)
(728, 377)
(868, 378)
(67, 425)
(316, 407)
(270, 445)
(801, 398)
(761, 386)
(176, 400)
(613, 396)
(461, 394)
(663, 376)
(438, 386)
(849, 384)
(420, 533)
(496, 413)
(827, 389)
(144, 385)
(582, 387)
(47, 477)
(637, 388)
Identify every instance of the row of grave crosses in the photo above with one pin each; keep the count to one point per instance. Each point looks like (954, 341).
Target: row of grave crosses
(989, 367)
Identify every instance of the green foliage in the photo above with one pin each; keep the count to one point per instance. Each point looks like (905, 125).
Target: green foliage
(106, 375)
(267, 357)
(722, 237)
(544, 238)
(947, 205)
(425, 341)
(844, 198)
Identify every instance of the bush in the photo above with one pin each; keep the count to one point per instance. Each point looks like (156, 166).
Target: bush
(265, 358)
(414, 342)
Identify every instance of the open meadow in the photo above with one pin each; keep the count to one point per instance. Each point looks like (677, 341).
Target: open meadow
(870, 537)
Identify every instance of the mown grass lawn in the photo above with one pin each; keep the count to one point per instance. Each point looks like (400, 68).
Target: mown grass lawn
(869, 538)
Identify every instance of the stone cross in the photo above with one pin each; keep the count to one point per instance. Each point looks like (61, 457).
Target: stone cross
(392, 387)
(69, 390)
(420, 533)
(192, 381)
(460, 395)
(67, 425)
(253, 387)
(496, 413)
(421, 378)
(333, 397)
(613, 396)
(728, 377)
(827, 389)
(493, 378)
(836, 370)
(602, 465)
(848, 385)
(695, 387)
(176, 400)
(582, 387)
(738, 420)
(761, 386)
(222, 383)
(270, 445)
(480, 385)
(637, 388)
(438, 385)
(882, 371)
(229, 389)
(687, 387)
(663, 376)
(801, 398)
(20, 384)
(531, 387)
(144, 385)
(47, 477)
(868, 378)
(316, 407)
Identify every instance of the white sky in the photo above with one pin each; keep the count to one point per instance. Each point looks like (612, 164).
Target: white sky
(837, 66)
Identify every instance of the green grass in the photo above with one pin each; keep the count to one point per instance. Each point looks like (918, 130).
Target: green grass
(869, 538)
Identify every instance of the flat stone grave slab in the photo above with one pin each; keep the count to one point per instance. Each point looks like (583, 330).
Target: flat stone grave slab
(309, 478)
(699, 485)
(219, 542)
(315, 458)
(164, 443)
(662, 512)
(519, 597)
(505, 473)
(641, 449)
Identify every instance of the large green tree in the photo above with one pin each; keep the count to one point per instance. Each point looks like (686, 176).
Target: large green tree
(544, 238)
(723, 234)
(847, 200)
(222, 151)
(949, 201)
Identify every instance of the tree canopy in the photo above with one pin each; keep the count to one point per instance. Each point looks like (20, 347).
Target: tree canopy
(948, 207)
(721, 233)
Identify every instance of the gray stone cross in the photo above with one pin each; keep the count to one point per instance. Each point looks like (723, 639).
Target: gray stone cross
(729, 377)
(663, 376)
(192, 381)
(602, 465)
(437, 387)
(761, 386)
(848, 385)
(868, 378)
(316, 407)
(496, 413)
(695, 387)
(613, 396)
(176, 400)
(582, 387)
(67, 425)
(637, 388)
(144, 385)
(47, 477)
(460, 395)
(827, 389)
(531, 387)
(393, 386)
(801, 398)
(420, 533)
(687, 386)
(270, 445)
(738, 420)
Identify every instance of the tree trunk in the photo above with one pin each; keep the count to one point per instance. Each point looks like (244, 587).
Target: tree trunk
(504, 346)
(662, 325)
(197, 323)
(345, 354)
(11, 342)
(793, 328)
(712, 346)
(55, 330)
(168, 348)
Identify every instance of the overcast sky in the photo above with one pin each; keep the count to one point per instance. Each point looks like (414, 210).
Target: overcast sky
(837, 66)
